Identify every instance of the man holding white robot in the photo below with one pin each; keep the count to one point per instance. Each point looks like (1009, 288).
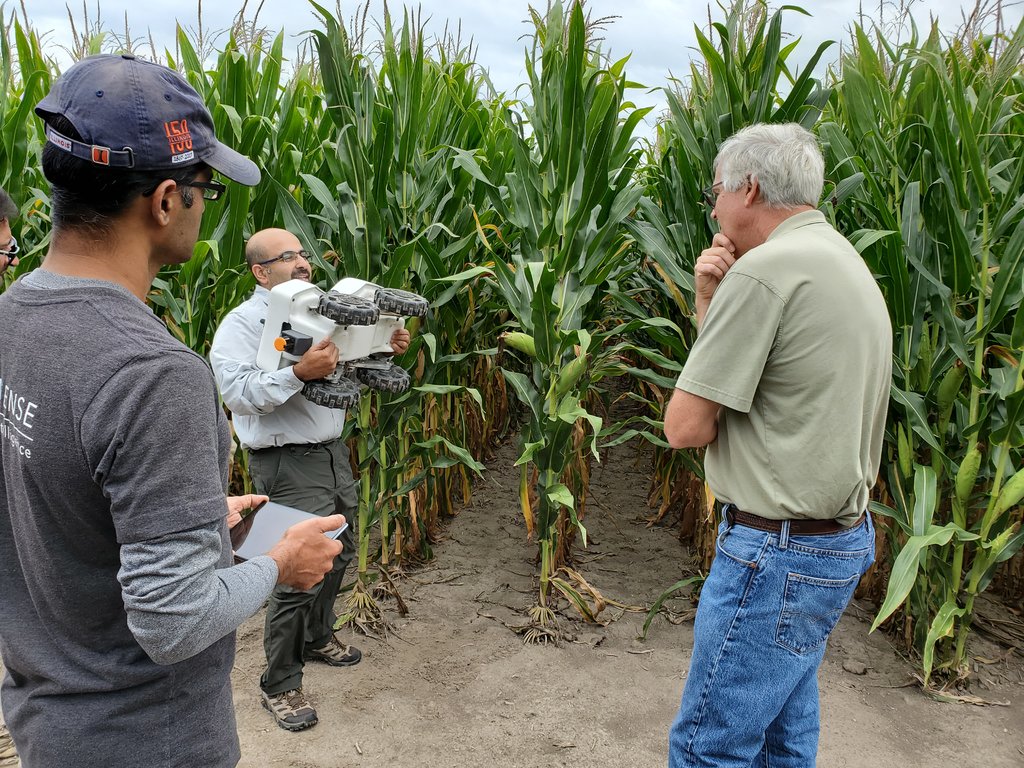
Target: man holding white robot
(296, 457)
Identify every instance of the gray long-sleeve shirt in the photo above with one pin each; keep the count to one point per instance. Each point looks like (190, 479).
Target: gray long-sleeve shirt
(114, 550)
(177, 599)
(267, 407)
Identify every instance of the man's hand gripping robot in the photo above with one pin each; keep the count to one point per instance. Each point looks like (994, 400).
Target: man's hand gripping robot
(358, 316)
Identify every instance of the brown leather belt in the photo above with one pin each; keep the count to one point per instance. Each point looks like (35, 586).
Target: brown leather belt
(796, 527)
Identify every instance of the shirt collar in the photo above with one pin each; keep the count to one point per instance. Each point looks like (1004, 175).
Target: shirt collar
(796, 221)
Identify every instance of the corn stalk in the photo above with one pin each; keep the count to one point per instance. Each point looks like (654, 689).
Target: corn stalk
(564, 198)
(944, 230)
(742, 77)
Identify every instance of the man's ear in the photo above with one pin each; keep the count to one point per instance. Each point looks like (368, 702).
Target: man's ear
(753, 192)
(164, 200)
(256, 274)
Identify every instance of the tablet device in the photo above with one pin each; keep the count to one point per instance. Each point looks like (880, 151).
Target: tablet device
(264, 526)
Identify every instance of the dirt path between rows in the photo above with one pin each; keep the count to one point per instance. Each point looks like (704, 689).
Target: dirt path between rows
(452, 687)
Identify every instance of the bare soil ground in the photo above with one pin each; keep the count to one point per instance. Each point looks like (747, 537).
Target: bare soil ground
(453, 687)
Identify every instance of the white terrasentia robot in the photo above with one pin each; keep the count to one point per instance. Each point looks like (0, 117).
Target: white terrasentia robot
(358, 316)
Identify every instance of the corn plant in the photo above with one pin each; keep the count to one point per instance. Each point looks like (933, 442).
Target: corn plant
(400, 212)
(562, 200)
(744, 79)
(26, 76)
(943, 229)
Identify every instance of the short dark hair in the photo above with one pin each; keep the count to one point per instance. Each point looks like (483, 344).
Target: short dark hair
(91, 197)
(8, 208)
(254, 254)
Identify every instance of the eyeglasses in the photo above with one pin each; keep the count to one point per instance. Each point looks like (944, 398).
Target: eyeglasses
(8, 253)
(286, 257)
(710, 194)
(212, 190)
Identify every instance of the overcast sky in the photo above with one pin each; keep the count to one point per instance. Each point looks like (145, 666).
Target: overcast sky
(658, 33)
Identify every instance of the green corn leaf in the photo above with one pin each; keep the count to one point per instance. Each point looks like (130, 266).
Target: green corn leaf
(925, 498)
(656, 607)
(1014, 544)
(456, 451)
(905, 569)
(942, 626)
(915, 408)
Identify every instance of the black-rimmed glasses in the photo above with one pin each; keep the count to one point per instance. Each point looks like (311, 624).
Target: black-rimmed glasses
(710, 194)
(212, 190)
(9, 252)
(286, 257)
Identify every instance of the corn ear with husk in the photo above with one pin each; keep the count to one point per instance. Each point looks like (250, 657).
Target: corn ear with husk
(521, 342)
(967, 474)
(1011, 494)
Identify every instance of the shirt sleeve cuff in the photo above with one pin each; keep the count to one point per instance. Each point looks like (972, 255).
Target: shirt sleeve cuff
(290, 381)
(265, 572)
(713, 394)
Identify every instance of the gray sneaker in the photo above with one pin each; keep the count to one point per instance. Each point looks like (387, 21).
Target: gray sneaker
(290, 709)
(8, 754)
(335, 653)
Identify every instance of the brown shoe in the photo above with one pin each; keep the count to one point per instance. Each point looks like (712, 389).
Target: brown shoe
(335, 653)
(290, 709)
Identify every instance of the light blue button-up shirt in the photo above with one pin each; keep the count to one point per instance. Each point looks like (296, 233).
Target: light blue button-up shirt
(267, 407)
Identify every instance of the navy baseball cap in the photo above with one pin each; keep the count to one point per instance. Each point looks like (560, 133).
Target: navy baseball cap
(139, 115)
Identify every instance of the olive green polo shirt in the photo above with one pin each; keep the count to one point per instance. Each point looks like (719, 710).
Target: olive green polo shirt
(797, 348)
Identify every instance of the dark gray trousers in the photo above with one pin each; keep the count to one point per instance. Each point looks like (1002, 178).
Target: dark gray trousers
(317, 479)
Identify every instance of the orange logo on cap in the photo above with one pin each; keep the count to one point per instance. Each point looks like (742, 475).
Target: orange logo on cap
(101, 155)
(178, 137)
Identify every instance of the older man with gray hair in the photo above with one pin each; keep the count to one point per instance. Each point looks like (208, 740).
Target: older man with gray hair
(787, 385)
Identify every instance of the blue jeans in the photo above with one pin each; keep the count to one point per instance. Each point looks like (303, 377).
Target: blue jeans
(765, 614)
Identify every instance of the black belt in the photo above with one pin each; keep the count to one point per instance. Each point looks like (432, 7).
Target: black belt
(298, 446)
(737, 516)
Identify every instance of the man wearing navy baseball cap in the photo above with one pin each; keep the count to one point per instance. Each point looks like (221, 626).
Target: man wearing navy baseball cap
(119, 598)
(136, 115)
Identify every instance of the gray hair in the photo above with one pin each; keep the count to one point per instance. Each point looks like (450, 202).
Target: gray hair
(8, 209)
(784, 159)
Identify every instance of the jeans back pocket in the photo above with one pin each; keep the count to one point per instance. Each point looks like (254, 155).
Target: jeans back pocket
(811, 609)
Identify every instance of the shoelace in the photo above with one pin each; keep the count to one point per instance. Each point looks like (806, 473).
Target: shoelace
(334, 646)
(295, 700)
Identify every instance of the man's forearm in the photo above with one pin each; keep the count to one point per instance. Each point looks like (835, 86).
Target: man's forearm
(246, 388)
(701, 306)
(249, 391)
(178, 601)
